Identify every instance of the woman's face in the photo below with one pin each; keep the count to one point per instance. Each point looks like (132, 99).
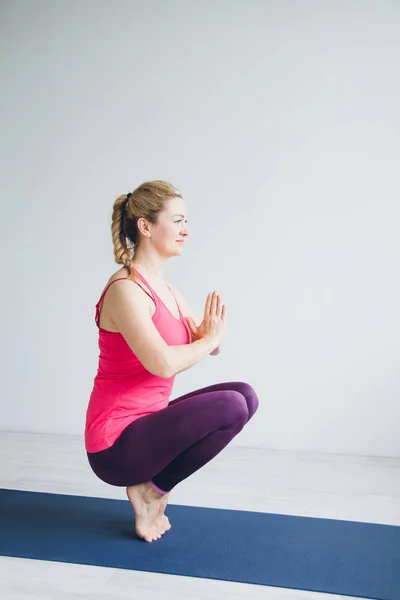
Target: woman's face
(171, 230)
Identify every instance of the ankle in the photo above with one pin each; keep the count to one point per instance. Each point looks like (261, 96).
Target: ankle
(153, 493)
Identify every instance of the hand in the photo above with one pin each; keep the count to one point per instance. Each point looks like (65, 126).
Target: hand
(214, 322)
(194, 330)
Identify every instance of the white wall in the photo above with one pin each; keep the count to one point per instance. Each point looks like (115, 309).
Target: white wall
(279, 122)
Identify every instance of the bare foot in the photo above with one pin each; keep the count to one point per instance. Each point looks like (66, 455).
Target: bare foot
(148, 505)
(162, 519)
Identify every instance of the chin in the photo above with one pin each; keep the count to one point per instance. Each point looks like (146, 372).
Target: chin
(175, 252)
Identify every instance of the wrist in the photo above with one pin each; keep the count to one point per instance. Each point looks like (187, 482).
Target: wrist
(212, 341)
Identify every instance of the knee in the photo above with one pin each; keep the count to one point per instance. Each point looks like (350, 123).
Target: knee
(251, 397)
(236, 408)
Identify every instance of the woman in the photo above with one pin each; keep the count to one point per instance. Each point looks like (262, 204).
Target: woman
(134, 436)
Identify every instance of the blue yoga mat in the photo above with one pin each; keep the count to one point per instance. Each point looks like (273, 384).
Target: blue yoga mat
(324, 555)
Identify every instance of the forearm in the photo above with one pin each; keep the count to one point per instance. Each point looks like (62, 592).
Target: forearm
(217, 349)
(182, 357)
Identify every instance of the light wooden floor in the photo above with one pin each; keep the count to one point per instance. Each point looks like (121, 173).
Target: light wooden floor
(333, 486)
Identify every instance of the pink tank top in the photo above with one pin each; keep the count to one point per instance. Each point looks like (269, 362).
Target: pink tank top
(123, 389)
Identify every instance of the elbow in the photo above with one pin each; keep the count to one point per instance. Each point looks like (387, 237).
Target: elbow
(162, 371)
(169, 371)
(165, 370)
(167, 375)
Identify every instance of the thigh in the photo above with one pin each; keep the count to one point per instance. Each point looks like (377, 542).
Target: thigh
(150, 443)
(238, 386)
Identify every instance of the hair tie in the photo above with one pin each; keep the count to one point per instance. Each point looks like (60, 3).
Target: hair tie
(128, 195)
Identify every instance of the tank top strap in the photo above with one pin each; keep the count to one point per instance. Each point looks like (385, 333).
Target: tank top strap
(106, 288)
(97, 316)
(176, 302)
(155, 295)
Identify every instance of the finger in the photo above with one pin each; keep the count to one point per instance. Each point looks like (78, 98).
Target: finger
(208, 305)
(219, 304)
(223, 312)
(214, 302)
(192, 324)
(193, 334)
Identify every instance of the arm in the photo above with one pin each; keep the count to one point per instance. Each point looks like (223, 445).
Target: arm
(189, 312)
(129, 310)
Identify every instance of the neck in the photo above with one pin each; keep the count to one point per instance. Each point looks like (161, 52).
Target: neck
(151, 267)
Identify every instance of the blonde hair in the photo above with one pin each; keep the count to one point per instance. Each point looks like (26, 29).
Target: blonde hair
(146, 201)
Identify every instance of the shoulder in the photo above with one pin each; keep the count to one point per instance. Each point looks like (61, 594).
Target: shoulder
(121, 273)
(123, 283)
(124, 274)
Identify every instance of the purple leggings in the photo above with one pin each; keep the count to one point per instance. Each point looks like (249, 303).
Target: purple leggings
(167, 446)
